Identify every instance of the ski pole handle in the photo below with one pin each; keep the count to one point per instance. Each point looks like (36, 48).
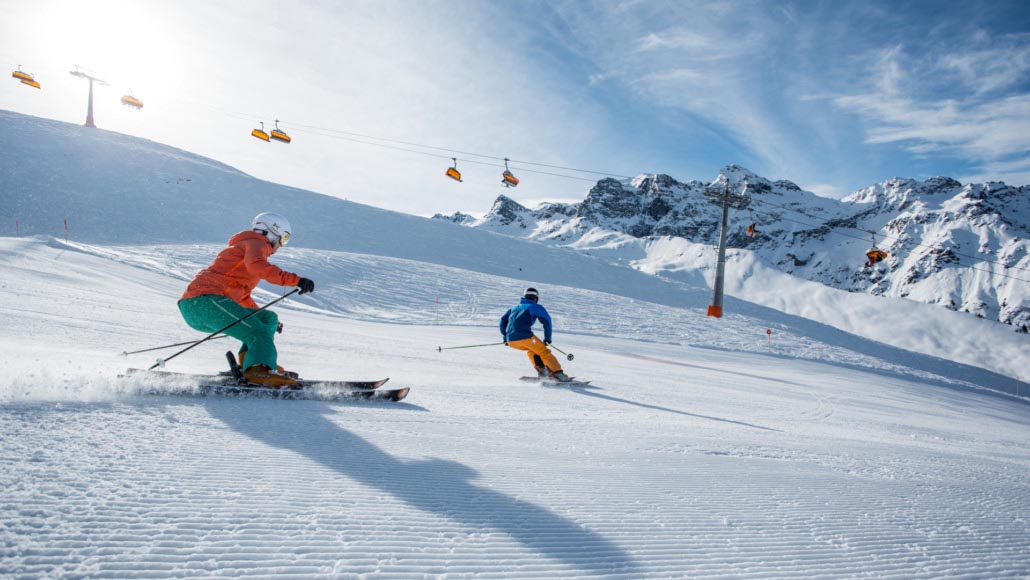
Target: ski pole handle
(568, 355)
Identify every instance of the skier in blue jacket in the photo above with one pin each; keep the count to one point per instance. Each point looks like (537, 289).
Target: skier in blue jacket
(517, 330)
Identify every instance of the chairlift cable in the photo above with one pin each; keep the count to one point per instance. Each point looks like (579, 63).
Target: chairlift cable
(349, 136)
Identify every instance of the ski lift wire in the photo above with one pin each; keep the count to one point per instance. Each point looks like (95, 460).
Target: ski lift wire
(349, 136)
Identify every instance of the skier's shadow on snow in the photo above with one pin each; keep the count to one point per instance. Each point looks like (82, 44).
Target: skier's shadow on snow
(437, 486)
(590, 391)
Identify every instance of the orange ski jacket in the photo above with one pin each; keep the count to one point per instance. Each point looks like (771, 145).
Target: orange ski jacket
(238, 269)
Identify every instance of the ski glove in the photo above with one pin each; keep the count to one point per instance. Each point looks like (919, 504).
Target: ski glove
(306, 285)
(547, 343)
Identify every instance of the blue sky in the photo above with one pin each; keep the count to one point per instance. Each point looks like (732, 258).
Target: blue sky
(832, 95)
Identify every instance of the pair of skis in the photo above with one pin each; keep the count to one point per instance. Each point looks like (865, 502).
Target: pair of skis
(233, 383)
(552, 382)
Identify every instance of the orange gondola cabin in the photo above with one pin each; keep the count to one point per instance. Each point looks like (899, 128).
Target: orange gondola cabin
(131, 101)
(453, 172)
(280, 135)
(875, 256)
(25, 78)
(260, 133)
(507, 178)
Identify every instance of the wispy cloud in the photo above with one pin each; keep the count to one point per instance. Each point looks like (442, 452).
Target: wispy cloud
(677, 38)
(995, 68)
(971, 122)
(940, 92)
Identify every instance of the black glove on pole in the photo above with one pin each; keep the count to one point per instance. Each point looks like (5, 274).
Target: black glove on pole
(306, 285)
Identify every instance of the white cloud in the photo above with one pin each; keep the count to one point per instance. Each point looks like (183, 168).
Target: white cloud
(965, 122)
(674, 39)
(888, 72)
(993, 68)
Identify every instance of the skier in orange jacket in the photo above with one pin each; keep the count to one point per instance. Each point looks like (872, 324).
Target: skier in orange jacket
(220, 294)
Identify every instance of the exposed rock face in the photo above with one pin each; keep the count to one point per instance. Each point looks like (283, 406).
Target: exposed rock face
(965, 247)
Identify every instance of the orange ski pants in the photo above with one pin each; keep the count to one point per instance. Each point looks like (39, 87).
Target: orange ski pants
(535, 347)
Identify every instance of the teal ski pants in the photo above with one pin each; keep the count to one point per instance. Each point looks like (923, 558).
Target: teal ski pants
(210, 312)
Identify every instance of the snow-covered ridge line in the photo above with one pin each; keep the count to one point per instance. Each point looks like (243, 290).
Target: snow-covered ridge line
(963, 247)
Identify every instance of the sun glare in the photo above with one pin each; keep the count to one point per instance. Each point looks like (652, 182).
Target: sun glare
(127, 44)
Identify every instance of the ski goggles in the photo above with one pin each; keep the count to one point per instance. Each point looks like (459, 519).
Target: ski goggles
(284, 239)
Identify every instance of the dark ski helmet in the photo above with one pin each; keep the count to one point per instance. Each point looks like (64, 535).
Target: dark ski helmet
(531, 294)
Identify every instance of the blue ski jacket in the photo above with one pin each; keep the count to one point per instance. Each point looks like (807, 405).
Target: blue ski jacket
(517, 322)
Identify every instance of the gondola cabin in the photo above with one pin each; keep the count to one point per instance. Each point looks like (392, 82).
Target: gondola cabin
(131, 101)
(260, 133)
(453, 172)
(875, 256)
(280, 135)
(25, 78)
(751, 231)
(509, 180)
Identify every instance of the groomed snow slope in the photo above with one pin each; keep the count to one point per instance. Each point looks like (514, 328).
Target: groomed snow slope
(116, 190)
(679, 461)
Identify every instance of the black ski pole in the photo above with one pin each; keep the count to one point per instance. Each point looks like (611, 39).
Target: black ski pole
(568, 355)
(443, 348)
(168, 346)
(161, 361)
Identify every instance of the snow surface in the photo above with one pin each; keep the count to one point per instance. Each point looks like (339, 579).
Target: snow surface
(703, 448)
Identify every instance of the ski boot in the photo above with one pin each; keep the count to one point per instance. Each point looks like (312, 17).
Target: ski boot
(278, 369)
(265, 377)
(560, 376)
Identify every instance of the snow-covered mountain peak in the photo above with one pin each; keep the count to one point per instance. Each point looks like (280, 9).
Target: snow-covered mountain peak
(899, 191)
(506, 211)
(927, 227)
(740, 177)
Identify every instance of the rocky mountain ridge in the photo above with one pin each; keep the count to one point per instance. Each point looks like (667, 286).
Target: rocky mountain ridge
(964, 247)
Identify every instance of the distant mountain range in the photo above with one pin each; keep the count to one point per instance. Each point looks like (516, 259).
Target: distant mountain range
(964, 247)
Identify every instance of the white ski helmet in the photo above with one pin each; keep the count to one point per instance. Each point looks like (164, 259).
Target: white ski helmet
(274, 226)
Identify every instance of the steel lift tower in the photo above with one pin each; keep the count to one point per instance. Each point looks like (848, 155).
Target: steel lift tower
(92, 79)
(727, 200)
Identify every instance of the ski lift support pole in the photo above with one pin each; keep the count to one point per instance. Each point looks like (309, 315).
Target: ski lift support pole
(89, 106)
(715, 309)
